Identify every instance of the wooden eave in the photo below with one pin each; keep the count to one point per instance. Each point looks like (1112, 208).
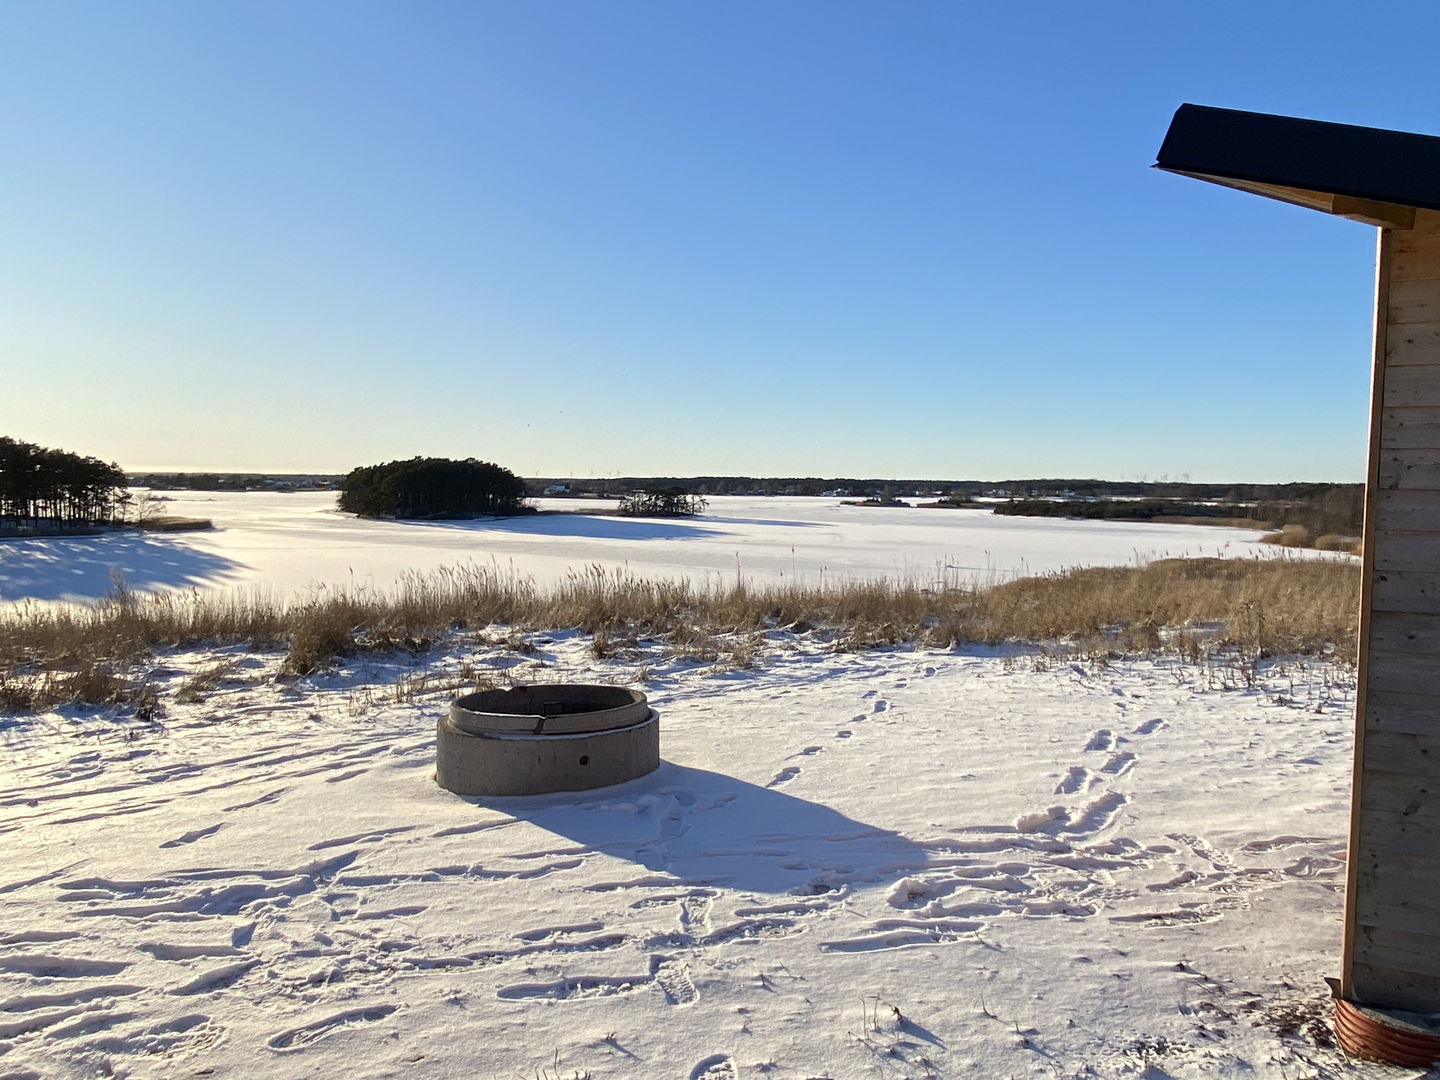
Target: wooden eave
(1385, 215)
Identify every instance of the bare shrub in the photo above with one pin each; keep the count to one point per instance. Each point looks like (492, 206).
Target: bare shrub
(1296, 536)
(200, 683)
(322, 631)
(175, 524)
(91, 683)
(600, 646)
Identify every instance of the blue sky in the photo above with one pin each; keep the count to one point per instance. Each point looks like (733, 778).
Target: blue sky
(592, 238)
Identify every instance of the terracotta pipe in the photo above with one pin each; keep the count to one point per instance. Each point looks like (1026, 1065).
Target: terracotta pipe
(1389, 1036)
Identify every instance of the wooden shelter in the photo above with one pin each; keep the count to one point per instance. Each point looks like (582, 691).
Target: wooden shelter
(1390, 179)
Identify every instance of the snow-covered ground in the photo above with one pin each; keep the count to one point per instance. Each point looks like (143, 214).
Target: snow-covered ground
(291, 542)
(897, 863)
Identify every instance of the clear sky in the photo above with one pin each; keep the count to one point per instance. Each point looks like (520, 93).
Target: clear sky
(909, 239)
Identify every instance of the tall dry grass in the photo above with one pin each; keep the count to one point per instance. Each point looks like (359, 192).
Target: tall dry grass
(54, 654)
(1301, 536)
(1259, 605)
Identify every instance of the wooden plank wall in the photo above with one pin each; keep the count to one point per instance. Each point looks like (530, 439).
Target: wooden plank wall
(1392, 917)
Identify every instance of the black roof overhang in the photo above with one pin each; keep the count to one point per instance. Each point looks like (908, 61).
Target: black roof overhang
(1369, 174)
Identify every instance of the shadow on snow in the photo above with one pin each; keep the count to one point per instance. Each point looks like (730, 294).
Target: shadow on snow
(767, 521)
(81, 568)
(704, 828)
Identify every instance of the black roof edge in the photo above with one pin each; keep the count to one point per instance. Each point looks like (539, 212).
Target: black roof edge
(1375, 164)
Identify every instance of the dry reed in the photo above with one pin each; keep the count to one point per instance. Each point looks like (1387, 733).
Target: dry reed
(50, 655)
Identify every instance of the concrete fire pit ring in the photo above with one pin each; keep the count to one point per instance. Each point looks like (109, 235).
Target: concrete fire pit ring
(533, 740)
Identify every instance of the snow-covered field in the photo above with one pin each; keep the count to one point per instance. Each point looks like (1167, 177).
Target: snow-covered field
(288, 543)
(900, 863)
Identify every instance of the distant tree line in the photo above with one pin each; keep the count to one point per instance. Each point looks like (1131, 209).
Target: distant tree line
(1042, 488)
(1122, 510)
(1337, 509)
(233, 481)
(432, 488)
(45, 488)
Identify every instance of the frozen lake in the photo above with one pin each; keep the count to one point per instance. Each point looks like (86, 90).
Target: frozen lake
(292, 542)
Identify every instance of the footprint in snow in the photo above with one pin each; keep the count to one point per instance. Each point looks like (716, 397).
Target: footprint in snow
(1185, 914)
(673, 978)
(1203, 849)
(695, 913)
(297, 1037)
(1149, 727)
(714, 1067)
(1055, 820)
(1119, 764)
(1184, 878)
(193, 835)
(1079, 779)
(59, 967)
(1101, 739)
(540, 933)
(1281, 842)
(1052, 819)
(573, 988)
(784, 776)
(881, 705)
(1099, 815)
(1310, 866)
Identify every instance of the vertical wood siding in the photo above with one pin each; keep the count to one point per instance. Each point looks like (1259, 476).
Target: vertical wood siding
(1392, 917)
